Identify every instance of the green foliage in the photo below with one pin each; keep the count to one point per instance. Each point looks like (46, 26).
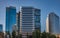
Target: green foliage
(44, 35)
(13, 34)
(47, 35)
(19, 36)
(27, 35)
(38, 34)
(16, 36)
(35, 34)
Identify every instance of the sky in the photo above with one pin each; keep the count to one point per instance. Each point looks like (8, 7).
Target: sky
(46, 7)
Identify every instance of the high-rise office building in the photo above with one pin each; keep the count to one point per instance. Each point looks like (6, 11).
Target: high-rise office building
(29, 20)
(1, 28)
(10, 17)
(52, 23)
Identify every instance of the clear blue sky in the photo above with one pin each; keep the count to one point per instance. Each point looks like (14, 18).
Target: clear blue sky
(46, 7)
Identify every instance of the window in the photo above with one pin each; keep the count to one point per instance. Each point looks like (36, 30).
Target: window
(37, 18)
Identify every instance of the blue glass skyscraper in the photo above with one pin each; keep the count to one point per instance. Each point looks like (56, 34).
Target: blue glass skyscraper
(10, 18)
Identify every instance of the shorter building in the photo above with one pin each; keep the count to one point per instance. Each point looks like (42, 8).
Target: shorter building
(1, 35)
(52, 23)
(1, 28)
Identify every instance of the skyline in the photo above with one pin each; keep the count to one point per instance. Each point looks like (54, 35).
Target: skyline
(45, 6)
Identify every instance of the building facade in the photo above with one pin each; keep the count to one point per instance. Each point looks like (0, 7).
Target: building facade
(52, 23)
(37, 18)
(1, 28)
(18, 22)
(10, 18)
(29, 20)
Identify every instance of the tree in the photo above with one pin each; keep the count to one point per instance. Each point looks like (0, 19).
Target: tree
(47, 35)
(19, 36)
(53, 36)
(43, 35)
(36, 34)
(27, 35)
(13, 34)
